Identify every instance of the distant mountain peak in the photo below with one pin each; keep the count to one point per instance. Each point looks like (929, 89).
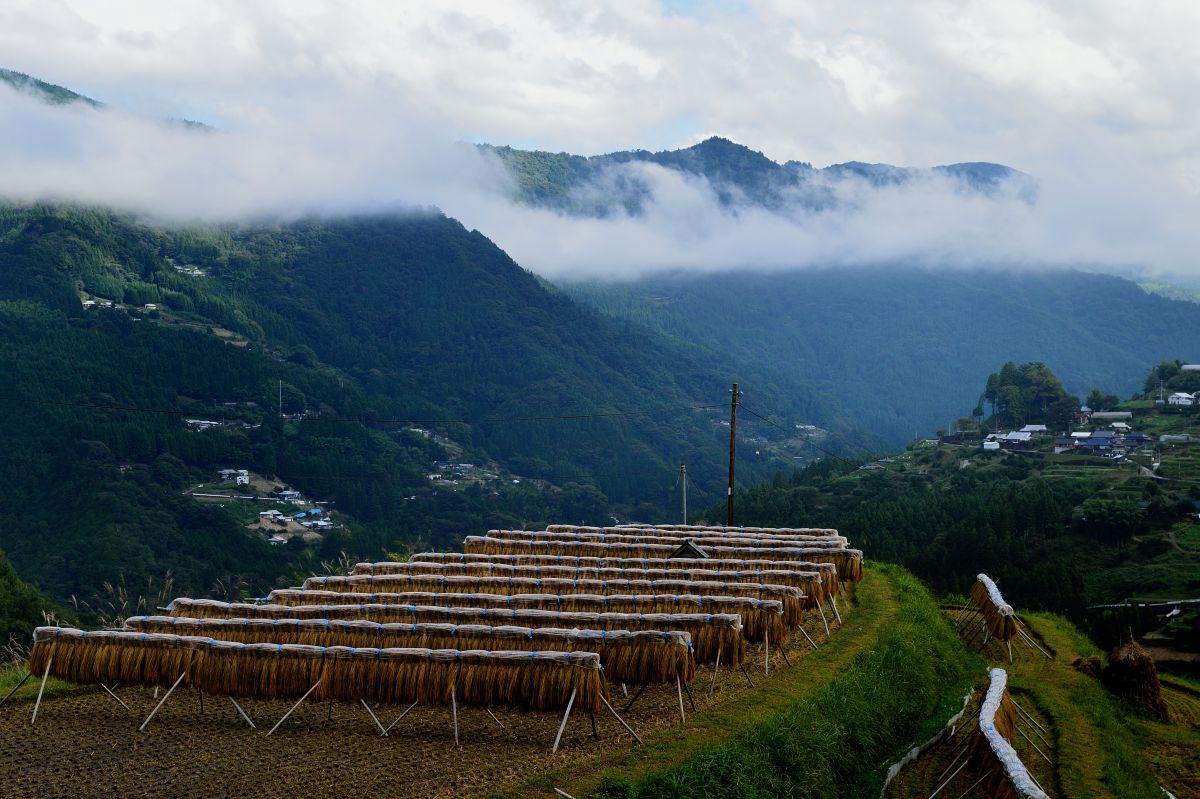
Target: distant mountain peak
(47, 92)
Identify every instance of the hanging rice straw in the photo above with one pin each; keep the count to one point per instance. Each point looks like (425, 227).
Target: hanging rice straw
(990, 748)
(997, 615)
(637, 657)
(710, 632)
(808, 582)
(828, 571)
(761, 618)
(700, 540)
(848, 561)
(531, 681)
(697, 528)
(791, 597)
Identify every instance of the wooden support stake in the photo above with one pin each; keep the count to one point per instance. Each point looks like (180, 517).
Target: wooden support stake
(961, 611)
(38, 703)
(293, 708)
(786, 659)
(624, 691)
(746, 674)
(808, 638)
(1031, 743)
(618, 718)
(679, 691)
(114, 696)
(15, 687)
(691, 700)
(454, 713)
(402, 715)
(635, 698)
(242, 713)
(1033, 643)
(716, 667)
(981, 779)
(1009, 645)
(766, 656)
(374, 718)
(951, 779)
(824, 620)
(201, 695)
(974, 614)
(161, 702)
(493, 715)
(837, 615)
(953, 762)
(329, 716)
(1028, 717)
(966, 723)
(592, 716)
(563, 726)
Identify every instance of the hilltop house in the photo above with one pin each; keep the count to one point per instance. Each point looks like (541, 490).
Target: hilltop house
(1181, 399)
(1016, 440)
(1034, 428)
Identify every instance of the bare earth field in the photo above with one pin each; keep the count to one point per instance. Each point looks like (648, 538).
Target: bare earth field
(86, 745)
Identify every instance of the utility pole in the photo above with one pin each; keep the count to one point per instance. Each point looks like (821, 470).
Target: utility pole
(683, 483)
(733, 402)
(281, 399)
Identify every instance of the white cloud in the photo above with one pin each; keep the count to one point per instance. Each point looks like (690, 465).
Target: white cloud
(342, 106)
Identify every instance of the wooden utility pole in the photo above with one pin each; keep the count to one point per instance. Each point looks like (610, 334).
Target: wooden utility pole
(733, 402)
(683, 483)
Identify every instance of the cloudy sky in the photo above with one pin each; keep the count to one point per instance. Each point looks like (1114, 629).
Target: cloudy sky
(346, 105)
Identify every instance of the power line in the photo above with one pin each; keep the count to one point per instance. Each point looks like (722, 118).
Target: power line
(807, 439)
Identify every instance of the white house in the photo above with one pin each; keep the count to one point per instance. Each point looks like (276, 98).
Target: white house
(1034, 428)
(1181, 399)
(1120, 426)
(991, 445)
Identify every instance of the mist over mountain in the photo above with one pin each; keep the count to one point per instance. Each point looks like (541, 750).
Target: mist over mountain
(603, 185)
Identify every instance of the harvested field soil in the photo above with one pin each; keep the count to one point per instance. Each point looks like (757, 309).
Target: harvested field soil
(86, 745)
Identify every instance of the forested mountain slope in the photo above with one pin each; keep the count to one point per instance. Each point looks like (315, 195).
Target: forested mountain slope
(906, 350)
(355, 330)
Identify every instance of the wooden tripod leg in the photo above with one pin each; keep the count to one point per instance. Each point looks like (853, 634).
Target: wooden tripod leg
(242, 713)
(679, 691)
(38, 703)
(716, 667)
(808, 637)
(374, 718)
(563, 726)
(618, 718)
(15, 687)
(293, 708)
(454, 713)
(746, 674)
(118, 699)
(691, 700)
(402, 715)
(161, 702)
(824, 620)
(493, 715)
(635, 698)
(833, 604)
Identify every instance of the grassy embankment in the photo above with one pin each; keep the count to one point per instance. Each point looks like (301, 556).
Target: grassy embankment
(827, 727)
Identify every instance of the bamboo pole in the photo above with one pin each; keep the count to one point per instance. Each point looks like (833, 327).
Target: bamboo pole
(968, 790)
(618, 718)
(679, 692)
(15, 687)
(402, 715)
(746, 674)
(38, 703)
(161, 702)
(808, 638)
(493, 715)
(635, 698)
(833, 602)
(563, 726)
(374, 718)
(951, 779)
(114, 696)
(716, 667)
(242, 713)
(824, 621)
(767, 656)
(454, 713)
(1031, 743)
(691, 700)
(1028, 716)
(293, 708)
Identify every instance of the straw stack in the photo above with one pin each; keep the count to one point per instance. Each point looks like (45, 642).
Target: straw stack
(808, 582)
(521, 680)
(762, 619)
(636, 657)
(674, 539)
(828, 571)
(791, 597)
(997, 615)
(990, 748)
(848, 561)
(710, 632)
(694, 528)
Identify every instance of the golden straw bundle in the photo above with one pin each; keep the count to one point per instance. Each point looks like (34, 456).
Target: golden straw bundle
(990, 748)
(695, 528)
(808, 582)
(710, 632)
(523, 680)
(635, 657)
(791, 597)
(828, 571)
(848, 561)
(998, 616)
(761, 618)
(700, 540)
